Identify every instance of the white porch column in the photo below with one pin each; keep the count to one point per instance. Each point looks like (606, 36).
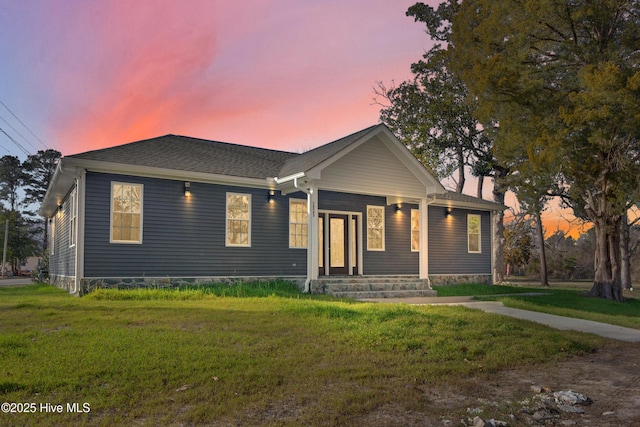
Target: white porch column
(312, 237)
(424, 238)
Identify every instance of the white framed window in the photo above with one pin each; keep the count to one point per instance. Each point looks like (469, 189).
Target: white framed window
(73, 222)
(52, 234)
(473, 234)
(375, 228)
(126, 212)
(298, 223)
(238, 229)
(415, 230)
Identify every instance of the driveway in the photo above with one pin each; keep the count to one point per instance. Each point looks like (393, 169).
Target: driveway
(16, 281)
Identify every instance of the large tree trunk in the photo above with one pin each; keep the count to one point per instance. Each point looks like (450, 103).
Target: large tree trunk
(480, 186)
(544, 279)
(461, 173)
(625, 258)
(606, 282)
(498, 227)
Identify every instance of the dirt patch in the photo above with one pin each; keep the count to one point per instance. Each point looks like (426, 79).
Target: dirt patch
(610, 377)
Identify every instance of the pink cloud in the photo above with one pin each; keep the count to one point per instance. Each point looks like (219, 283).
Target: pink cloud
(280, 74)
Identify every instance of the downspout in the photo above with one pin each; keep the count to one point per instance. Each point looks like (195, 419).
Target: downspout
(309, 193)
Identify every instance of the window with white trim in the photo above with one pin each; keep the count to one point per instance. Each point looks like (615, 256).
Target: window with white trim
(415, 230)
(375, 228)
(73, 223)
(473, 234)
(238, 219)
(126, 212)
(298, 223)
(52, 234)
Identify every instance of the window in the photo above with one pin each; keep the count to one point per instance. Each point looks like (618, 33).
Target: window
(126, 213)
(298, 223)
(238, 219)
(73, 207)
(415, 230)
(473, 233)
(375, 228)
(52, 234)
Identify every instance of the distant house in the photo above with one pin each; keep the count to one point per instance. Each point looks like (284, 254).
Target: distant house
(360, 213)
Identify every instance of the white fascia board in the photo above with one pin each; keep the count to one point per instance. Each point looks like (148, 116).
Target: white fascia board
(466, 205)
(172, 174)
(61, 182)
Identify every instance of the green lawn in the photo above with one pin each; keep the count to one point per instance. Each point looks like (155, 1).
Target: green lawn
(191, 357)
(562, 302)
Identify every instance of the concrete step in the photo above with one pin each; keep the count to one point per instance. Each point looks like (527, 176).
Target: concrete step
(373, 286)
(386, 294)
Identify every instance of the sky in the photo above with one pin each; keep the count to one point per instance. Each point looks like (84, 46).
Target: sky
(281, 74)
(78, 75)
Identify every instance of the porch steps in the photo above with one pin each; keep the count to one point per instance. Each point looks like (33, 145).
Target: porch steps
(359, 287)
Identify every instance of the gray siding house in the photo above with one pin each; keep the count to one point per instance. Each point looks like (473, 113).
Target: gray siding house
(350, 215)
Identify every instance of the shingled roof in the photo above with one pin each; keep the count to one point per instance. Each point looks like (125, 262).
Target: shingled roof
(194, 155)
(459, 198)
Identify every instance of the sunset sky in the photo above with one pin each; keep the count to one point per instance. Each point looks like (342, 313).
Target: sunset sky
(281, 74)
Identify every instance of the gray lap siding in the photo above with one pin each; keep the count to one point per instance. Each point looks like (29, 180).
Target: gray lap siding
(62, 259)
(448, 251)
(185, 237)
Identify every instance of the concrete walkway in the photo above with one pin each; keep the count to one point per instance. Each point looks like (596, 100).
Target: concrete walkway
(557, 322)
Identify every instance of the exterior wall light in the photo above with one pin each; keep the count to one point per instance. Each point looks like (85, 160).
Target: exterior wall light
(271, 197)
(187, 189)
(447, 212)
(398, 207)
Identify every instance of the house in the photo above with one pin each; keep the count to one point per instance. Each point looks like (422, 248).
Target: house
(352, 213)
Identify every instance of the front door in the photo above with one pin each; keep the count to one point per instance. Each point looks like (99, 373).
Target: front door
(338, 244)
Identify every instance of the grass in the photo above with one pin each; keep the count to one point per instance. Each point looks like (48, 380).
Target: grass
(156, 358)
(563, 302)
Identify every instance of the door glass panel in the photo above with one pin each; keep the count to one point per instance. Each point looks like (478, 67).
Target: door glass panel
(337, 242)
(354, 242)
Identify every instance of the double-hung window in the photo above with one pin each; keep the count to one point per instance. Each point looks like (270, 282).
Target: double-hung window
(298, 223)
(126, 212)
(238, 219)
(375, 228)
(73, 221)
(473, 234)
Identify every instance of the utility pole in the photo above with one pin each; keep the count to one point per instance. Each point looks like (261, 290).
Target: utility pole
(4, 251)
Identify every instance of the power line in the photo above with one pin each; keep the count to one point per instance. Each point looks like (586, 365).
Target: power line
(16, 131)
(15, 142)
(25, 126)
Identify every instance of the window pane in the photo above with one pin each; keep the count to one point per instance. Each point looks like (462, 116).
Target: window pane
(415, 230)
(238, 219)
(126, 212)
(473, 233)
(375, 227)
(298, 226)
